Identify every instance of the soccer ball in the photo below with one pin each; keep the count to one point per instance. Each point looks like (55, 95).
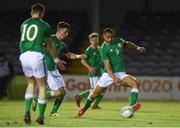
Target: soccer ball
(127, 112)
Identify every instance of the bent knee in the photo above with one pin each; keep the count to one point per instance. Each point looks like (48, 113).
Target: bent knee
(94, 95)
(61, 92)
(136, 84)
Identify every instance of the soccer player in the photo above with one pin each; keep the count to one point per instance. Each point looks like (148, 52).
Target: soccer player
(55, 80)
(94, 65)
(34, 33)
(114, 71)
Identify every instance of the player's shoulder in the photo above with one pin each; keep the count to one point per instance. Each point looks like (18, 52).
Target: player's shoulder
(103, 45)
(63, 44)
(99, 46)
(119, 40)
(26, 21)
(44, 23)
(88, 48)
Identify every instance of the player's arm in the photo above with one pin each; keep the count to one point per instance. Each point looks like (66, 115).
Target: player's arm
(131, 45)
(73, 56)
(86, 64)
(52, 51)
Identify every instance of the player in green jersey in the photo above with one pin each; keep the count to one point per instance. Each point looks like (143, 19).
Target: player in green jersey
(114, 71)
(94, 65)
(34, 33)
(55, 80)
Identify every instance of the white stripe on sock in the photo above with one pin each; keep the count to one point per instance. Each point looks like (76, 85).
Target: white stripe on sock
(42, 101)
(28, 95)
(134, 90)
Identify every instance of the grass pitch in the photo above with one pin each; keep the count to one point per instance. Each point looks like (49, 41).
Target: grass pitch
(152, 114)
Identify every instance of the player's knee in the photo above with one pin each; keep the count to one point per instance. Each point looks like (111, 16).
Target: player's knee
(136, 84)
(94, 95)
(61, 92)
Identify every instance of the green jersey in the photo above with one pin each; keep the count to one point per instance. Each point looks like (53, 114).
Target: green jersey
(114, 53)
(94, 60)
(34, 31)
(59, 47)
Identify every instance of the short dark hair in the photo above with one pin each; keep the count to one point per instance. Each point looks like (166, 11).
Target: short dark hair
(63, 25)
(108, 30)
(38, 8)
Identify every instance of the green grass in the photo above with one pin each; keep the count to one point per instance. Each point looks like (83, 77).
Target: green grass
(152, 114)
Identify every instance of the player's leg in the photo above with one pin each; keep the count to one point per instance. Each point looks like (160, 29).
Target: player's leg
(102, 84)
(39, 72)
(98, 90)
(49, 95)
(41, 82)
(28, 72)
(134, 84)
(97, 101)
(35, 98)
(86, 93)
(99, 97)
(55, 82)
(57, 103)
(28, 99)
(82, 95)
(57, 85)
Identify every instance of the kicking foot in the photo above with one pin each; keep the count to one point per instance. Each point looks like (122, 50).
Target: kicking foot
(81, 112)
(54, 114)
(95, 107)
(34, 105)
(40, 120)
(78, 100)
(27, 118)
(136, 106)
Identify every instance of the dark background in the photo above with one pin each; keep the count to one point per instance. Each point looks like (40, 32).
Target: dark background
(154, 24)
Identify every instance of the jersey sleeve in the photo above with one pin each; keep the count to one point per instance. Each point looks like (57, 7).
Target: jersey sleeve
(64, 48)
(87, 54)
(121, 41)
(104, 55)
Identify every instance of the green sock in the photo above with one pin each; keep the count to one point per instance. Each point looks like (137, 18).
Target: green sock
(88, 103)
(42, 108)
(48, 95)
(28, 103)
(35, 98)
(133, 96)
(84, 94)
(57, 104)
(98, 99)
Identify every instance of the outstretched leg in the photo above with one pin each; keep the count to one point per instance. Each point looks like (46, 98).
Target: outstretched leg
(98, 90)
(134, 84)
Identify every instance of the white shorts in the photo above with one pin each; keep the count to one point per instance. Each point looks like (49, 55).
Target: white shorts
(106, 80)
(93, 81)
(55, 80)
(33, 64)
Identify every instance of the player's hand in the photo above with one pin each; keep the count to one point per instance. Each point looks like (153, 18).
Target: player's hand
(118, 82)
(141, 49)
(83, 56)
(92, 70)
(61, 65)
